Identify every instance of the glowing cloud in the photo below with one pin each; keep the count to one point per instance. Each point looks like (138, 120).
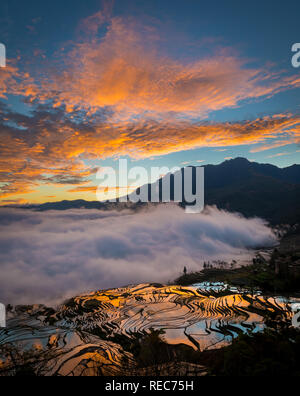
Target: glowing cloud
(125, 71)
(50, 148)
(118, 95)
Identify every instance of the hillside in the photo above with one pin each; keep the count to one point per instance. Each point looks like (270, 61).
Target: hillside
(250, 188)
(255, 189)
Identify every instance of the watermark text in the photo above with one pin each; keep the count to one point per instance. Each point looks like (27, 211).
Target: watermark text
(296, 56)
(2, 55)
(296, 316)
(154, 185)
(2, 316)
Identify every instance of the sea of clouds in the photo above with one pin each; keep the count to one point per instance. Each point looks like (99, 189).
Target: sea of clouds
(46, 257)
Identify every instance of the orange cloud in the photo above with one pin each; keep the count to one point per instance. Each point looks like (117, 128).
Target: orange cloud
(13, 202)
(125, 72)
(148, 139)
(26, 157)
(278, 143)
(278, 155)
(49, 148)
(8, 80)
(92, 189)
(119, 96)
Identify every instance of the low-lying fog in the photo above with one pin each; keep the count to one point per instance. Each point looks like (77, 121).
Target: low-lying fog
(46, 257)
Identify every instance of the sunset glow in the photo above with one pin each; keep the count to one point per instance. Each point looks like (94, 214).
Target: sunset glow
(113, 91)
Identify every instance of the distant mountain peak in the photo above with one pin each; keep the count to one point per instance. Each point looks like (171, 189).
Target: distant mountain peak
(239, 159)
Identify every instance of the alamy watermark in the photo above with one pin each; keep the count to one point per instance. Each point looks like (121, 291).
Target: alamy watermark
(2, 315)
(2, 55)
(296, 56)
(296, 317)
(170, 185)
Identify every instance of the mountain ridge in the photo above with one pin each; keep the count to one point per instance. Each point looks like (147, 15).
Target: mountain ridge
(237, 185)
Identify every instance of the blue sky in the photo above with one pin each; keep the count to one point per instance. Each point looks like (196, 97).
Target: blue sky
(163, 83)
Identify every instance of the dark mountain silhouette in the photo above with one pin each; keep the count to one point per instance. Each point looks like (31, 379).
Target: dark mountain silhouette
(82, 204)
(250, 188)
(237, 185)
(255, 189)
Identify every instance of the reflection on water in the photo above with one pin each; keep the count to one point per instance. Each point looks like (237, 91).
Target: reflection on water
(86, 332)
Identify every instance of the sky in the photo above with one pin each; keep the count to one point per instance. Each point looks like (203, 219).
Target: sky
(160, 83)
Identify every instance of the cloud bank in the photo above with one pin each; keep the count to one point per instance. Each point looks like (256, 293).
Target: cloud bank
(48, 256)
